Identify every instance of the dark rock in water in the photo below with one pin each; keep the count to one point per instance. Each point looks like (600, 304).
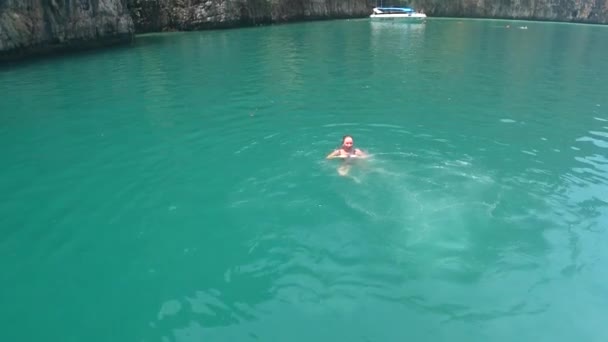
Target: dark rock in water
(33, 27)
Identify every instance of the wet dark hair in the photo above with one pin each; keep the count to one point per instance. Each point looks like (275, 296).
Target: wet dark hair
(347, 136)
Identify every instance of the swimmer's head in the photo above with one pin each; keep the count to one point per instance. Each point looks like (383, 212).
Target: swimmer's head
(347, 142)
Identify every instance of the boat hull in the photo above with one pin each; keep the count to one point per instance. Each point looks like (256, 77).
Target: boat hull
(413, 16)
(396, 13)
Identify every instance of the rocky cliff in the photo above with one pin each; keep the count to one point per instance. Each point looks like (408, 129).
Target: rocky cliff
(36, 26)
(39, 26)
(163, 15)
(585, 11)
(159, 15)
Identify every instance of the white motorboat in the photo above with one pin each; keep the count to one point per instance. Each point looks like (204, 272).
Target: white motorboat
(396, 13)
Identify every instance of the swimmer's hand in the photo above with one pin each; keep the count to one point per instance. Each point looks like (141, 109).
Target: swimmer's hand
(334, 154)
(337, 154)
(360, 154)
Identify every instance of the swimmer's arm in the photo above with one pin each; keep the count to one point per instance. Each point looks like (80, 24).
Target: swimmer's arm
(332, 155)
(360, 153)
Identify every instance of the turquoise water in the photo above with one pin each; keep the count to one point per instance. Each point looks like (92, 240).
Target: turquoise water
(176, 190)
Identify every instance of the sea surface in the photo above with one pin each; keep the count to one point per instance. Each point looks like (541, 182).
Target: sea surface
(177, 189)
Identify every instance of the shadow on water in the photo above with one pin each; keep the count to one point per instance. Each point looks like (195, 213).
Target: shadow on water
(69, 55)
(75, 53)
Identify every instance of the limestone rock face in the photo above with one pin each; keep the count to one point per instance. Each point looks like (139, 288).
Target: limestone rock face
(586, 11)
(40, 26)
(166, 15)
(162, 15)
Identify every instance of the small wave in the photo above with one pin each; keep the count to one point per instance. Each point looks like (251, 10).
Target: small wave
(594, 141)
(599, 133)
(385, 126)
(340, 125)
